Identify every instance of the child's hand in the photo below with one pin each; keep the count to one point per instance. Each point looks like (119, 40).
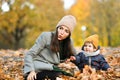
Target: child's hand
(109, 69)
(67, 60)
(72, 58)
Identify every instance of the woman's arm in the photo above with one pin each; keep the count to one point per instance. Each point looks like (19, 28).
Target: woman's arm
(36, 48)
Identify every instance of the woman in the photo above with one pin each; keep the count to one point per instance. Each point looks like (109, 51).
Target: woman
(50, 48)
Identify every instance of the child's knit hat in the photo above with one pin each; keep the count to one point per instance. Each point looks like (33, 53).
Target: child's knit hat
(93, 39)
(68, 21)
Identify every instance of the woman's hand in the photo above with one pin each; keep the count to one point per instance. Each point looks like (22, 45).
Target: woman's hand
(31, 76)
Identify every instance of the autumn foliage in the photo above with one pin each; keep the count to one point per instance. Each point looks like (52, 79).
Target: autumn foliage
(11, 66)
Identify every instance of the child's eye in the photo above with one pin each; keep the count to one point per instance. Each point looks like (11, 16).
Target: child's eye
(85, 45)
(90, 46)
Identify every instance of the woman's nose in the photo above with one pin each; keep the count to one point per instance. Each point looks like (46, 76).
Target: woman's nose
(62, 32)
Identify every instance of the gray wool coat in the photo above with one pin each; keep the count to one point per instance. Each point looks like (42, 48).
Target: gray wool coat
(40, 57)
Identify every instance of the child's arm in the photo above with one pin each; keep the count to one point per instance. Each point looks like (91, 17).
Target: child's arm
(77, 58)
(104, 64)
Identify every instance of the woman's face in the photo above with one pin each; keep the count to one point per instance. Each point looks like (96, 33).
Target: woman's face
(63, 32)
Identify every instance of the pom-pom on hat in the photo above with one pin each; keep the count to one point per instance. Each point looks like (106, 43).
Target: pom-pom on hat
(94, 39)
(68, 21)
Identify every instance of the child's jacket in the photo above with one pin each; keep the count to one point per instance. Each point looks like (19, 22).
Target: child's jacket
(95, 60)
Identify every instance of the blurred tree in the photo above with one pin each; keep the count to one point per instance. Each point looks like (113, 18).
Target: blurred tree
(99, 16)
(24, 22)
(14, 25)
(107, 17)
(48, 13)
(82, 11)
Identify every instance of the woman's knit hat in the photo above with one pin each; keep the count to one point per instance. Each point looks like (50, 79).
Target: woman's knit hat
(68, 21)
(93, 39)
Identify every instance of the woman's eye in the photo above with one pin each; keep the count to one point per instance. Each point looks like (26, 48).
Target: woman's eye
(60, 28)
(66, 31)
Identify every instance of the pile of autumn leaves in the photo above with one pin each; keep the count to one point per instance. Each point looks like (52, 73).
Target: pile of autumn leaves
(11, 66)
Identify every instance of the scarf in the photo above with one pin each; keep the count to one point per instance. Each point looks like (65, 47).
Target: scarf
(92, 53)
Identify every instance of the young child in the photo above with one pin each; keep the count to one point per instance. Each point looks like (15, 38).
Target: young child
(91, 55)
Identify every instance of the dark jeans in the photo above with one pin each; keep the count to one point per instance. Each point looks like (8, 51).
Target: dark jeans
(46, 75)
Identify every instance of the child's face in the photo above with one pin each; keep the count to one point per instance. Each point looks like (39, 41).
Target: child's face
(88, 47)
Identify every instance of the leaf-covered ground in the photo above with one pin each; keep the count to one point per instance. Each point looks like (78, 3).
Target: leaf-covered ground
(11, 66)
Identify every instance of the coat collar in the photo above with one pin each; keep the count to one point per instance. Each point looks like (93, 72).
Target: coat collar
(91, 54)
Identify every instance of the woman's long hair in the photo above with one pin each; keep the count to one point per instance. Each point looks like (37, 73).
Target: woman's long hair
(56, 44)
